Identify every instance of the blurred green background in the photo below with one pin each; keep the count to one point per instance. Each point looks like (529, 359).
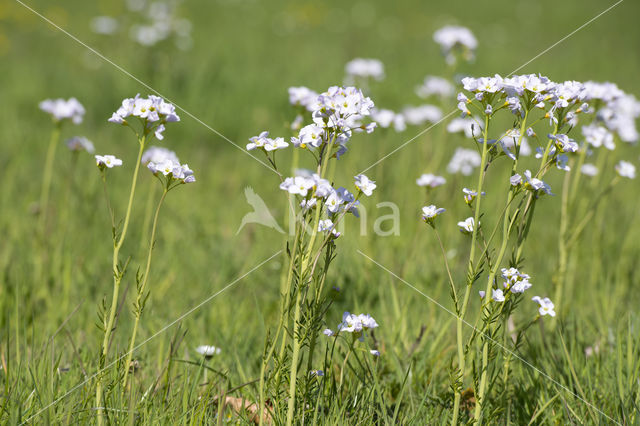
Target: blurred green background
(234, 77)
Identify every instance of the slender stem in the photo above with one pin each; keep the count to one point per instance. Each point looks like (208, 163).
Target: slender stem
(139, 305)
(470, 272)
(507, 223)
(48, 176)
(297, 313)
(117, 279)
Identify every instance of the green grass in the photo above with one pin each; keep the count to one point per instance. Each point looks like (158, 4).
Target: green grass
(245, 56)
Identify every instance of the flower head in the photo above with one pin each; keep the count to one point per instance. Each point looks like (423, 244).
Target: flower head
(365, 185)
(109, 161)
(546, 306)
(61, 109)
(429, 213)
(157, 154)
(364, 68)
(430, 180)
(626, 169)
(451, 38)
(80, 143)
(152, 110)
(173, 171)
(466, 226)
(208, 351)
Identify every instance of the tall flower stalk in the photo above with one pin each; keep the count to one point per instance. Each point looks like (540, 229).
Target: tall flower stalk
(151, 113)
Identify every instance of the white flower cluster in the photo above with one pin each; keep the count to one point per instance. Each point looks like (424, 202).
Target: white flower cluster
(80, 143)
(317, 191)
(61, 109)
(265, 143)
(386, 118)
(302, 96)
(352, 323)
(430, 180)
(452, 38)
(157, 154)
(464, 161)
(515, 281)
(626, 169)
(530, 183)
(153, 110)
(562, 101)
(422, 114)
(172, 170)
(364, 68)
(162, 23)
(466, 125)
(597, 136)
(437, 86)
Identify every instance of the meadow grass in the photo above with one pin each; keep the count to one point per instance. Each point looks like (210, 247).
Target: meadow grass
(235, 77)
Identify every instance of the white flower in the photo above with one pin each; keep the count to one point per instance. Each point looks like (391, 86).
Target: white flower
(374, 352)
(157, 154)
(328, 332)
(422, 114)
(109, 161)
(173, 169)
(535, 184)
(626, 169)
(435, 86)
(466, 125)
(429, 213)
(470, 195)
(564, 143)
(79, 143)
(466, 226)
(546, 306)
(311, 135)
(452, 37)
(387, 118)
(497, 295)
(61, 109)
(274, 144)
(598, 136)
(208, 351)
(464, 161)
(365, 68)
(352, 323)
(515, 180)
(562, 163)
(589, 169)
(153, 110)
(302, 96)
(430, 180)
(297, 185)
(511, 138)
(104, 25)
(327, 226)
(257, 142)
(365, 185)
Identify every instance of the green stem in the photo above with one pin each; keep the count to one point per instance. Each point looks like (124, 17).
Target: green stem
(117, 279)
(139, 305)
(470, 272)
(507, 223)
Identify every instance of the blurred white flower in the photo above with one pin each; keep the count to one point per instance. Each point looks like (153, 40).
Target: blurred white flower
(61, 109)
(328, 332)
(156, 154)
(564, 143)
(352, 323)
(104, 25)
(464, 161)
(327, 226)
(497, 295)
(535, 184)
(422, 114)
(302, 96)
(374, 352)
(172, 169)
(430, 180)
(435, 86)
(454, 37)
(466, 125)
(109, 161)
(589, 169)
(208, 351)
(546, 306)
(364, 68)
(626, 169)
(598, 136)
(80, 143)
